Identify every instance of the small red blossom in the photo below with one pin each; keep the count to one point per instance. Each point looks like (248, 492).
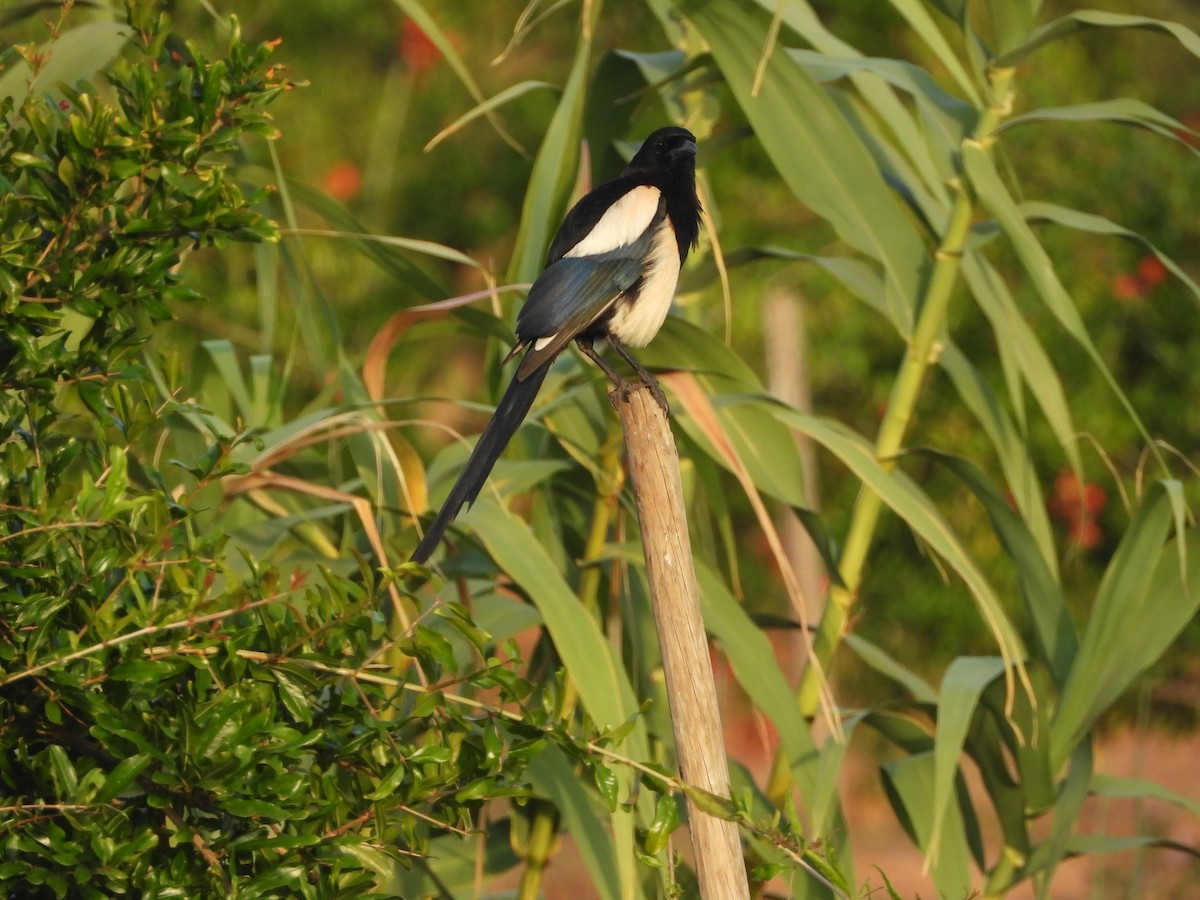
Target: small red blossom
(1151, 272)
(1078, 504)
(416, 49)
(343, 181)
(63, 104)
(1127, 287)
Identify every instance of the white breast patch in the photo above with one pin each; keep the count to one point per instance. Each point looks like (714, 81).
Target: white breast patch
(637, 318)
(621, 224)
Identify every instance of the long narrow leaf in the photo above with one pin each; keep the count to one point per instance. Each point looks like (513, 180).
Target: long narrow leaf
(1145, 600)
(586, 655)
(553, 777)
(962, 686)
(909, 785)
(1040, 268)
(1053, 628)
(909, 502)
(415, 11)
(816, 151)
(923, 24)
(1037, 211)
(1011, 450)
(1075, 22)
(554, 170)
(1138, 789)
(1018, 342)
(1012, 21)
(887, 665)
(1124, 110)
(485, 108)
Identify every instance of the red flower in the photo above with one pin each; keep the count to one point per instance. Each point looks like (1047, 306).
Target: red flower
(1127, 287)
(1151, 272)
(1078, 504)
(415, 48)
(343, 181)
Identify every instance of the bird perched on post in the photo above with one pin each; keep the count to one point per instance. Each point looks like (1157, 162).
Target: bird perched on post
(611, 273)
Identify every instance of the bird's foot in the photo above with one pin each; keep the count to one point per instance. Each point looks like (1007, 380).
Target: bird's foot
(621, 392)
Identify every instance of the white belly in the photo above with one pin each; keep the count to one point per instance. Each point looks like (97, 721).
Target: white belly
(636, 319)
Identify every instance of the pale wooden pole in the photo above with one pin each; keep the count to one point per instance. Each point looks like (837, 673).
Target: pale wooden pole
(785, 352)
(691, 690)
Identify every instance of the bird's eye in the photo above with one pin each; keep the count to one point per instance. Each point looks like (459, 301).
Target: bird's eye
(660, 146)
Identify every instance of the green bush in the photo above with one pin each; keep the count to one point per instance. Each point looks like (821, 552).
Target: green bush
(180, 718)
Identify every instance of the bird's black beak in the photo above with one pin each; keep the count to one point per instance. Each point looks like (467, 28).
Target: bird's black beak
(687, 148)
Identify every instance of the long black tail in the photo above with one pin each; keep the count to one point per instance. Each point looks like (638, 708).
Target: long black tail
(510, 412)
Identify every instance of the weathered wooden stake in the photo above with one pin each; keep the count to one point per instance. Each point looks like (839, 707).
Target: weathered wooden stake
(691, 690)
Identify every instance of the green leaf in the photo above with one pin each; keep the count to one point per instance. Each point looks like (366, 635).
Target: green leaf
(961, 688)
(607, 785)
(1023, 353)
(764, 445)
(909, 502)
(225, 359)
(1050, 852)
(1124, 110)
(446, 46)
(603, 685)
(297, 691)
(666, 820)
(390, 782)
(389, 253)
(885, 664)
(553, 777)
(1138, 788)
(486, 107)
(66, 780)
(1092, 844)
(554, 168)
(257, 809)
(754, 665)
(1081, 221)
(1040, 268)
(1012, 21)
(122, 775)
(909, 784)
(1146, 598)
(1081, 20)
(220, 727)
(928, 140)
(1047, 607)
(800, 17)
(146, 671)
(927, 29)
(1012, 450)
(75, 54)
(816, 151)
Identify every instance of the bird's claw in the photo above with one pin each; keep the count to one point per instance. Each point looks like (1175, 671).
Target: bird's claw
(622, 391)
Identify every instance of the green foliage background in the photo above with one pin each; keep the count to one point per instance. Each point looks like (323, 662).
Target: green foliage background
(218, 678)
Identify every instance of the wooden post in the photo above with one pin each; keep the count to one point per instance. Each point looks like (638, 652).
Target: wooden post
(691, 690)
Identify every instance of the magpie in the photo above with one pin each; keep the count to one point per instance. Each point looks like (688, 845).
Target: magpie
(610, 273)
